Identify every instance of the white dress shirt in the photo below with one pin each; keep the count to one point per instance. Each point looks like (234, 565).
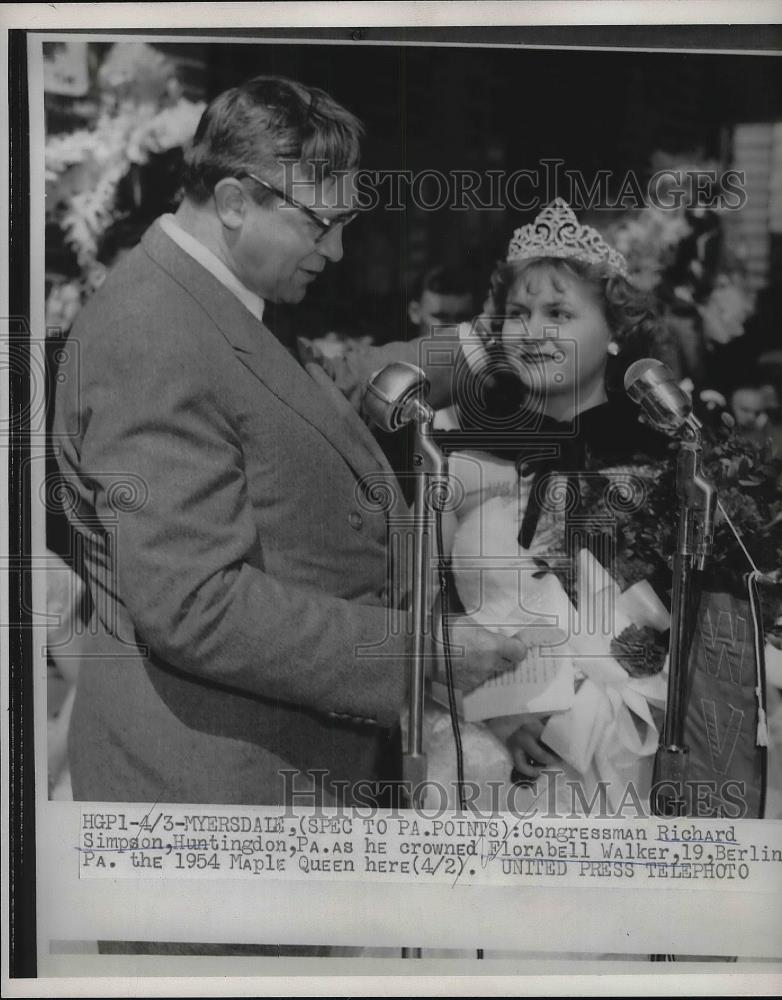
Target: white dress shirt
(252, 302)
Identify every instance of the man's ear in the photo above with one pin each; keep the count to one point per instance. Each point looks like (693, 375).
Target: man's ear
(414, 312)
(230, 202)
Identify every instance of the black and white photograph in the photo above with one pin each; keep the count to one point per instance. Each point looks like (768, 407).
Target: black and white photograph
(394, 500)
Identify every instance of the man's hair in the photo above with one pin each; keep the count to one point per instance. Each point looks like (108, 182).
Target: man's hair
(443, 280)
(263, 122)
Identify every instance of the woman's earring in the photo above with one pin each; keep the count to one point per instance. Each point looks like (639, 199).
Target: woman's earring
(612, 348)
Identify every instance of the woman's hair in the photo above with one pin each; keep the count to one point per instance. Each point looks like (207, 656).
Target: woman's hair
(630, 313)
(263, 122)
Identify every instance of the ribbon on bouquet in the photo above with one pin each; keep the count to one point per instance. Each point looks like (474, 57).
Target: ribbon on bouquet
(610, 725)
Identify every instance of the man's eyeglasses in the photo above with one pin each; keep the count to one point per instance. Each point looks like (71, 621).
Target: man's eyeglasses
(325, 226)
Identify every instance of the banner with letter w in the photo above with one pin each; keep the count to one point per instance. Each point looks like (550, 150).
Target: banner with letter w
(726, 727)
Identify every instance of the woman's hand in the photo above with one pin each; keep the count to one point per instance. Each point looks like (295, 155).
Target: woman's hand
(530, 756)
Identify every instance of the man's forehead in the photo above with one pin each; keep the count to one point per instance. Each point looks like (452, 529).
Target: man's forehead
(446, 298)
(748, 397)
(335, 193)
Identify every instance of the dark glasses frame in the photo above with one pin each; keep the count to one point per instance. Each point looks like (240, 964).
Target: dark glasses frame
(325, 225)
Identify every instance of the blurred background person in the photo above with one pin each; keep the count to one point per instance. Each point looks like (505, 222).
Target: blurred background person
(749, 407)
(441, 297)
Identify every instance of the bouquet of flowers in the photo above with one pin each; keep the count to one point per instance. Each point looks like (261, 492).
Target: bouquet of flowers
(611, 606)
(747, 477)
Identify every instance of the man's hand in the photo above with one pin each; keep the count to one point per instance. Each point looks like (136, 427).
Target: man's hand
(488, 654)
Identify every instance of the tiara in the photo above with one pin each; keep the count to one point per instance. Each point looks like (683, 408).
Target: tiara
(556, 233)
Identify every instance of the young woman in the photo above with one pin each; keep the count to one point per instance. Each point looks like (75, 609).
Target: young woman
(542, 401)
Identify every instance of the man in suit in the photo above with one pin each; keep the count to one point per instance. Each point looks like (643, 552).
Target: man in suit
(236, 560)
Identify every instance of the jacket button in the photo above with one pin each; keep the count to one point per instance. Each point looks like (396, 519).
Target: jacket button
(355, 520)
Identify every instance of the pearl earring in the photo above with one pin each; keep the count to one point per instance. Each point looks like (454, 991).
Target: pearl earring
(612, 348)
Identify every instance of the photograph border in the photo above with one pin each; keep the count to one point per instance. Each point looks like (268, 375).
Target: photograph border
(20, 798)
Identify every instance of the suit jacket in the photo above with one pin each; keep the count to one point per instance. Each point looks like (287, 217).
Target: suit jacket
(237, 564)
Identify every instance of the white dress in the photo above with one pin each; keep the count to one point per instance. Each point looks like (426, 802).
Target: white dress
(608, 733)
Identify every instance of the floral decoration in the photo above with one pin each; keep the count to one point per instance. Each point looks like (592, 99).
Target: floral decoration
(142, 114)
(747, 478)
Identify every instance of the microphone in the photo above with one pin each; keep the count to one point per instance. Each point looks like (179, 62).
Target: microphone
(653, 386)
(396, 395)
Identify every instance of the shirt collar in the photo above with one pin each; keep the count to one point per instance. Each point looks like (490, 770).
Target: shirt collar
(252, 302)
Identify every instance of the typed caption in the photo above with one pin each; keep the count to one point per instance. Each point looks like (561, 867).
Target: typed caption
(138, 842)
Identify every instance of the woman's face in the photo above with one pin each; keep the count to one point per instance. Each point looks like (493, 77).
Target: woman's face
(557, 336)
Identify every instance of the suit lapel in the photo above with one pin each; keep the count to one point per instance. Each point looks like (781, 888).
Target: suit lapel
(312, 393)
(353, 423)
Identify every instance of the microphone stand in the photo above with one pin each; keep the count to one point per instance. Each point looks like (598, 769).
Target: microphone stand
(394, 397)
(697, 501)
(429, 465)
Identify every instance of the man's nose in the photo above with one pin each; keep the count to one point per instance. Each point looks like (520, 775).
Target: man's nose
(330, 246)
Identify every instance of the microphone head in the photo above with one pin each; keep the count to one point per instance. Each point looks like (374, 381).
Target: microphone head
(653, 386)
(388, 393)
